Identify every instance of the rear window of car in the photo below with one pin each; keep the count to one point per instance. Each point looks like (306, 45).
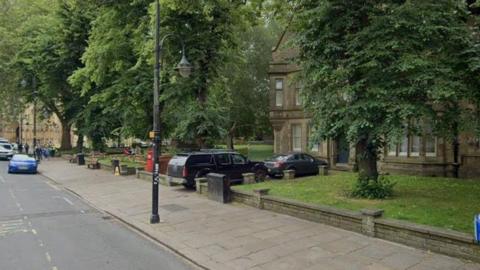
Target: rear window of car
(179, 160)
(204, 159)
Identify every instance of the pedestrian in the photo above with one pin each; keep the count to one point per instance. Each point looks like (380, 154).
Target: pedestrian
(38, 152)
(26, 148)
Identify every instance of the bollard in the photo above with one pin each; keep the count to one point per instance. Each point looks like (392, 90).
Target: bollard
(289, 174)
(322, 170)
(248, 178)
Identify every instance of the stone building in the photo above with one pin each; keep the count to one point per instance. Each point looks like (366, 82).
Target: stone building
(421, 155)
(49, 130)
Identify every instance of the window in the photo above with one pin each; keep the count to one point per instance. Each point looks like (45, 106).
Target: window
(308, 158)
(412, 145)
(239, 159)
(298, 97)
(296, 137)
(415, 146)
(392, 148)
(279, 92)
(430, 142)
(403, 147)
(223, 159)
(205, 159)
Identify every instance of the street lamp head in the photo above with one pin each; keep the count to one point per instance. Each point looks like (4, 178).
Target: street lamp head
(184, 67)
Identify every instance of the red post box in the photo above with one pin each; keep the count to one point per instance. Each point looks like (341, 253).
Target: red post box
(149, 165)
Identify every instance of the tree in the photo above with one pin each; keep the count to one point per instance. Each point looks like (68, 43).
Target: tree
(51, 46)
(371, 67)
(242, 85)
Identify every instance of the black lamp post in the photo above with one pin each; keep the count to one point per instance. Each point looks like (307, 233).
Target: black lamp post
(185, 70)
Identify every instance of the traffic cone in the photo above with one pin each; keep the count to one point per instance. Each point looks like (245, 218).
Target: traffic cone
(117, 171)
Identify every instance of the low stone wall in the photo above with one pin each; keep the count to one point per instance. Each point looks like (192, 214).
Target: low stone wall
(368, 222)
(147, 176)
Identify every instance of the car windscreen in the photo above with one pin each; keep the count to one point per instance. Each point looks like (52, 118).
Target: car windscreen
(6, 146)
(21, 158)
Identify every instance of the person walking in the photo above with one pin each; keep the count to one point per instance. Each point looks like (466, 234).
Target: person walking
(27, 147)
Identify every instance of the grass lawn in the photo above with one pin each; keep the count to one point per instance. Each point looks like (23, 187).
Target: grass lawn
(123, 161)
(440, 202)
(256, 152)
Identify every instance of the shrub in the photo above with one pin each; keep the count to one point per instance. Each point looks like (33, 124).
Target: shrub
(380, 188)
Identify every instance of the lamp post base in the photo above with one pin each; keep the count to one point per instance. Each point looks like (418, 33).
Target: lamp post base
(154, 219)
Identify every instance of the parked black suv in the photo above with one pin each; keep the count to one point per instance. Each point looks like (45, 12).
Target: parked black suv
(184, 168)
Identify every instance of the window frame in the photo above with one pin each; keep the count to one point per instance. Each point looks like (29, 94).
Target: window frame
(299, 137)
(279, 92)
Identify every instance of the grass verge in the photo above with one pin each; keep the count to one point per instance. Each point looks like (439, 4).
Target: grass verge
(440, 202)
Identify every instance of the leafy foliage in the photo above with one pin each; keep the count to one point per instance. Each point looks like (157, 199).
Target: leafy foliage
(369, 67)
(366, 187)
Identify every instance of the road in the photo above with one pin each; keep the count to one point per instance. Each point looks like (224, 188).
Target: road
(45, 227)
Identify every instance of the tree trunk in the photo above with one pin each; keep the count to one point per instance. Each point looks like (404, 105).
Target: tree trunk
(456, 151)
(80, 142)
(230, 144)
(367, 159)
(66, 136)
(230, 137)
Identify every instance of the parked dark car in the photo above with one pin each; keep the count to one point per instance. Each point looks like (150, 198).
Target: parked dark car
(301, 163)
(184, 168)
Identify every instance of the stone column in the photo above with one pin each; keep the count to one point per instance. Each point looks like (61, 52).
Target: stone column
(198, 182)
(289, 174)
(323, 170)
(368, 220)
(248, 178)
(259, 193)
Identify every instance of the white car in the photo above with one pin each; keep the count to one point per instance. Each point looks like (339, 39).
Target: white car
(2, 140)
(6, 151)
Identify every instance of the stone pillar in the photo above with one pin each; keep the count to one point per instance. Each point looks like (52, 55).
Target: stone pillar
(198, 183)
(368, 220)
(289, 174)
(259, 193)
(248, 178)
(323, 170)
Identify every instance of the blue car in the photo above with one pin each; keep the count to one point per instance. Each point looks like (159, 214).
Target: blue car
(22, 163)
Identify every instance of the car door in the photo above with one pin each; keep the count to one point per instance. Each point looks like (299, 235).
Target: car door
(295, 162)
(311, 166)
(224, 164)
(240, 166)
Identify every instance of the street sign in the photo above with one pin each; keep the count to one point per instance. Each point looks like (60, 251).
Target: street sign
(151, 134)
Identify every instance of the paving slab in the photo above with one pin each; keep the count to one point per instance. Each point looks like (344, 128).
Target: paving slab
(235, 236)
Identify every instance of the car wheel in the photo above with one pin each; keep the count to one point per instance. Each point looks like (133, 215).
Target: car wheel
(260, 175)
(189, 186)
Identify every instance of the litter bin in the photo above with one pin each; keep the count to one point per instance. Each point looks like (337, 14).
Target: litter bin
(81, 159)
(477, 228)
(116, 164)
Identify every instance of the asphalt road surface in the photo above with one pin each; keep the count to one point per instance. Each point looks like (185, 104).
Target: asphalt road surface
(46, 228)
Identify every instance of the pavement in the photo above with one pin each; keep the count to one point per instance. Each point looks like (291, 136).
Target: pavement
(45, 227)
(233, 236)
